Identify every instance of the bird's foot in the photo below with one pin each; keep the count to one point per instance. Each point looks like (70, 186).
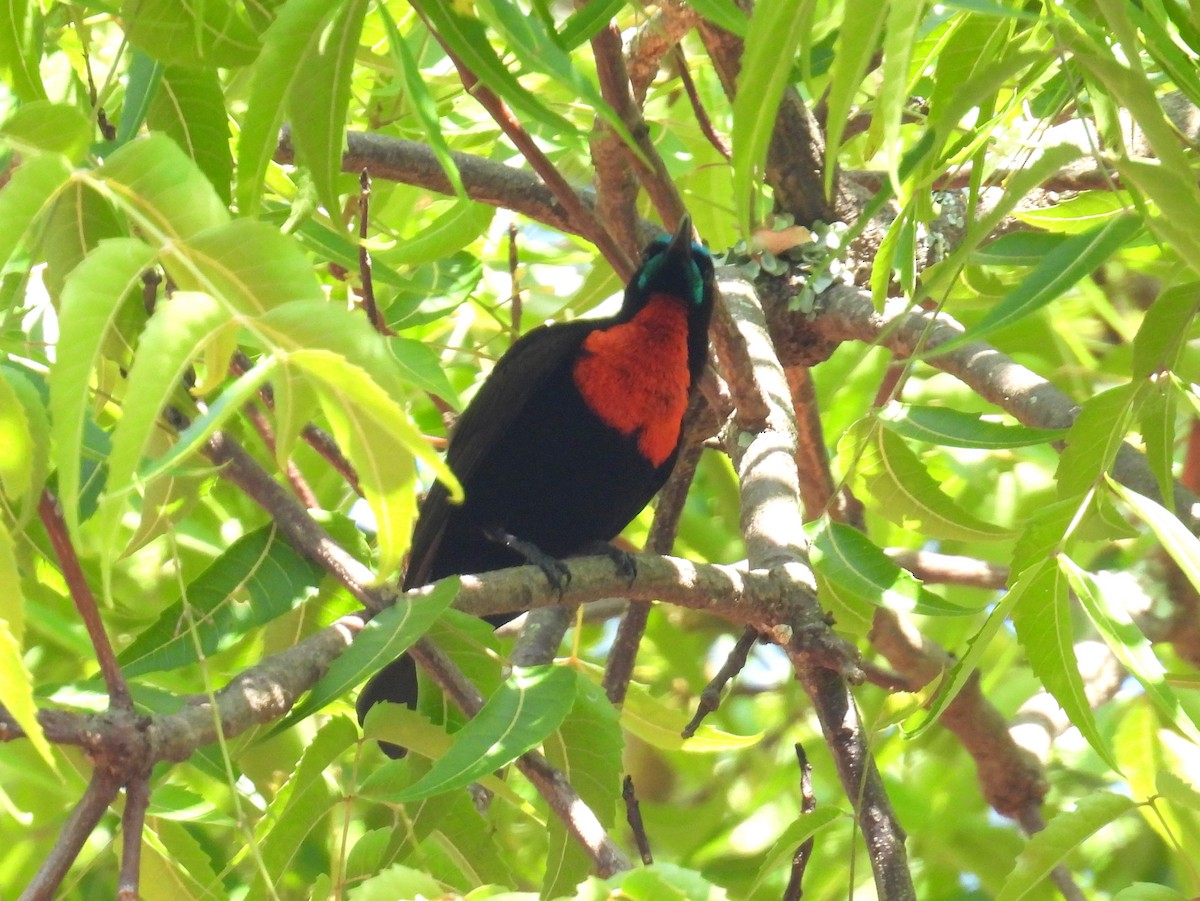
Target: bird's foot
(552, 568)
(625, 562)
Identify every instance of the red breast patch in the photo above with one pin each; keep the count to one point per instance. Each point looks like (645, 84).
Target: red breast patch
(634, 376)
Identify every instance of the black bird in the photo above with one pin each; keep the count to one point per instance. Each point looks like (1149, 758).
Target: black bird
(572, 434)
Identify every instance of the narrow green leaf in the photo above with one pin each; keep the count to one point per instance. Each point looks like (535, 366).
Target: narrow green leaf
(191, 32)
(1145, 891)
(909, 496)
(1175, 195)
(189, 106)
(1164, 329)
(1031, 582)
(175, 866)
(527, 36)
(17, 448)
(1043, 623)
(1019, 184)
(302, 804)
(1182, 545)
(1094, 438)
(771, 40)
(254, 581)
(845, 557)
(449, 232)
(725, 14)
(30, 190)
(74, 225)
(904, 17)
(381, 641)
(379, 439)
(20, 51)
(1047, 849)
(91, 299)
(45, 127)
(953, 428)
(1130, 646)
(526, 708)
(289, 40)
(1083, 212)
(319, 98)
(801, 830)
(141, 84)
(248, 265)
(174, 337)
(397, 881)
(1059, 270)
(422, 101)
(16, 683)
(468, 40)
(587, 20)
(858, 40)
(1156, 422)
(161, 189)
(586, 749)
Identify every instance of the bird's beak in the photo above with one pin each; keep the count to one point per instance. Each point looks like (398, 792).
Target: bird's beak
(680, 247)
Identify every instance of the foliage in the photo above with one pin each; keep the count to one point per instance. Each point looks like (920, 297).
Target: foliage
(1027, 168)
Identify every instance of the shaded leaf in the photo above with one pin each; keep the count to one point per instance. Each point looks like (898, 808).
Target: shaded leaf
(953, 428)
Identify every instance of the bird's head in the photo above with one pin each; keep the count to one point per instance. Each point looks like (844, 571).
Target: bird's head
(675, 265)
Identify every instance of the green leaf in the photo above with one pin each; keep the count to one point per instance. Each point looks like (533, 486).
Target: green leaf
(1177, 199)
(302, 804)
(175, 866)
(1164, 330)
(449, 232)
(468, 40)
(20, 52)
(909, 496)
(1084, 212)
(858, 40)
(287, 43)
(953, 428)
(206, 33)
(587, 20)
(255, 580)
(1130, 646)
(526, 708)
(91, 299)
(17, 448)
(529, 39)
(1145, 891)
(141, 84)
(397, 881)
(1094, 438)
(845, 558)
(904, 17)
(656, 882)
(1043, 623)
(1156, 422)
(586, 749)
(381, 641)
(1059, 270)
(248, 265)
(189, 106)
(158, 186)
(1182, 546)
(1047, 849)
(797, 833)
(776, 28)
(30, 190)
(320, 96)
(74, 225)
(16, 683)
(1032, 581)
(422, 101)
(175, 335)
(45, 127)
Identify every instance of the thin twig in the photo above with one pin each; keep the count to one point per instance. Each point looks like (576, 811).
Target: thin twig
(633, 816)
(137, 799)
(710, 697)
(514, 297)
(808, 803)
(100, 793)
(295, 478)
(85, 602)
(364, 256)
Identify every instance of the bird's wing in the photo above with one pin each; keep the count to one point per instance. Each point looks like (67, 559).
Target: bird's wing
(518, 376)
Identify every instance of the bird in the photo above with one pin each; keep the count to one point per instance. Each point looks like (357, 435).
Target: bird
(573, 432)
